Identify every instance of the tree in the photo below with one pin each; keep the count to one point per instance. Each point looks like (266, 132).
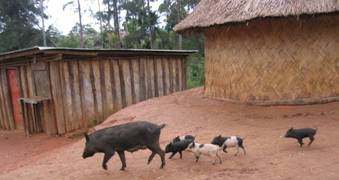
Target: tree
(110, 34)
(140, 24)
(18, 19)
(175, 11)
(92, 38)
(78, 9)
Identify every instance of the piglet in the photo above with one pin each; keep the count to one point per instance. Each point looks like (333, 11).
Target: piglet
(180, 138)
(226, 142)
(300, 134)
(177, 147)
(205, 149)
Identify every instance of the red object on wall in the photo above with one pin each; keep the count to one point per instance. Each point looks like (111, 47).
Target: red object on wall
(15, 95)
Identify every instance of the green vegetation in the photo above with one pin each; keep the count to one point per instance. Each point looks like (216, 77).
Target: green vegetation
(124, 24)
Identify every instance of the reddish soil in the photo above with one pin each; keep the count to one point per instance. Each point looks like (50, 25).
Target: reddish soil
(17, 150)
(268, 156)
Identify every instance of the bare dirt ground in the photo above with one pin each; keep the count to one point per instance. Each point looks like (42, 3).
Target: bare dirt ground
(268, 156)
(17, 151)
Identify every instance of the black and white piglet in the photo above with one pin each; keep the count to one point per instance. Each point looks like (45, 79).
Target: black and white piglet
(300, 134)
(177, 147)
(226, 142)
(180, 138)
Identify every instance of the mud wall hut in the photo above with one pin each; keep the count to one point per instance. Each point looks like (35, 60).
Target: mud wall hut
(59, 90)
(269, 51)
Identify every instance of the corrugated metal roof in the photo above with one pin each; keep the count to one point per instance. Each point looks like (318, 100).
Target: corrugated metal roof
(90, 52)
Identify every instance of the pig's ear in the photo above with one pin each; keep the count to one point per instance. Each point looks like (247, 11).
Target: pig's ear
(86, 137)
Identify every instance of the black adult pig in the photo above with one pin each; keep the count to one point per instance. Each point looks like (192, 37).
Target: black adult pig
(300, 134)
(125, 137)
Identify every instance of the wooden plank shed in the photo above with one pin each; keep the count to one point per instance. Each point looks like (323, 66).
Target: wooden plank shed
(269, 52)
(59, 90)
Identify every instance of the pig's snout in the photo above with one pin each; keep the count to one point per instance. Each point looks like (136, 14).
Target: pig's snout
(86, 155)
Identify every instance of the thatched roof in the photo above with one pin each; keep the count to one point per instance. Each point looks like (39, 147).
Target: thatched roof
(218, 12)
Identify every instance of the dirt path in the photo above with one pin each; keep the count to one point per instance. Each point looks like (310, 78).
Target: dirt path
(268, 156)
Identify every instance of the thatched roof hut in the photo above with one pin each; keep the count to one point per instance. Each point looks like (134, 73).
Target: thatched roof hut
(269, 51)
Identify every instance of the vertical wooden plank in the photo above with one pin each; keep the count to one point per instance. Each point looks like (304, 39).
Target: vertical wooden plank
(76, 94)
(184, 74)
(67, 94)
(50, 127)
(171, 77)
(109, 108)
(117, 84)
(30, 119)
(24, 115)
(20, 80)
(30, 81)
(97, 90)
(23, 81)
(148, 79)
(2, 126)
(57, 97)
(155, 77)
(104, 104)
(136, 79)
(83, 120)
(176, 70)
(142, 77)
(34, 123)
(160, 83)
(3, 106)
(179, 74)
(166, 76)
(132, 81)
(127, 81)
(122, 83)
(87, 98)
(7, 100)
(152, 78)
(113, 85)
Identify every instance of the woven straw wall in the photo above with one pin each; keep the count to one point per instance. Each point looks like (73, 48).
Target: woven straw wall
(274, 60)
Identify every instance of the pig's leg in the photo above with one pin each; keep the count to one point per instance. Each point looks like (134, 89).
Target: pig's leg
(197, 158)
(157, 150)
(224, 149)
(311, 140)
(107, 156)
(151, 157)
(162, 156)
(173, 153)
(180, 154)
(237, 151)
(243, 148)
(122, 159)
(300, 142)
(220, 161)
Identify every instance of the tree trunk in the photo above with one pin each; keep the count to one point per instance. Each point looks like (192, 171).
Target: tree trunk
(116, 23)
(81, 27)
(43, 23)
(100, 21)
(179, 18)
(150, 28)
